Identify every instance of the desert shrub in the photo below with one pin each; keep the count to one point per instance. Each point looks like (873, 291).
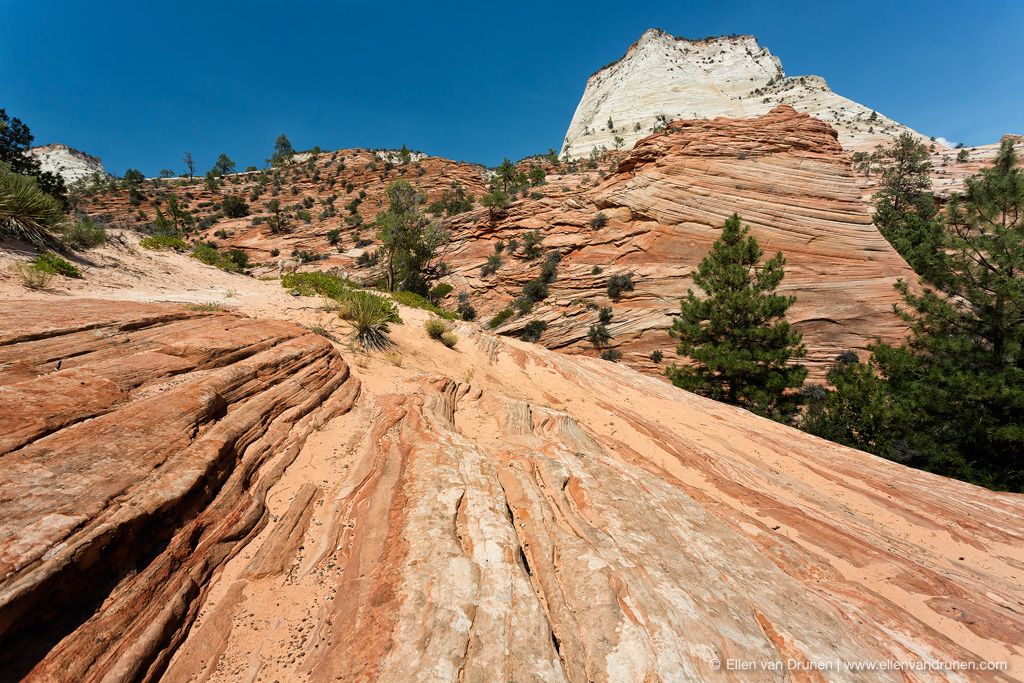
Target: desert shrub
(414, 300)
(500, 317)
(612, 354)
(599, 221)
(440, 291)
(657, 356)
(85, 233)
(533, 330)
(547, 271)
(535, 290)
(234, 207)
(334, 236)
(275, 252)
(310, 284)
(31, 277)
(617, 284)
(160, 242)
(604, 314)
(370, 315)
(531, 244)
(436, 327)
(491, 266)
(48, 262)
(449, 339)
(598, 335)
(596, 270)
(465, 310)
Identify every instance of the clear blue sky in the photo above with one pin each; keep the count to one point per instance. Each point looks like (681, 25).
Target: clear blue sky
(139, 83)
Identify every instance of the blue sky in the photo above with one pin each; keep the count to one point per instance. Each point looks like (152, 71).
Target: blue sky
(139, 83)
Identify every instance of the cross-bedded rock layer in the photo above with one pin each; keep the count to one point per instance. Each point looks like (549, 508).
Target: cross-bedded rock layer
(494, 511)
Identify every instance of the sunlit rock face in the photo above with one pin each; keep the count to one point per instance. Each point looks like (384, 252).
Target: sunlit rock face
(663, 78)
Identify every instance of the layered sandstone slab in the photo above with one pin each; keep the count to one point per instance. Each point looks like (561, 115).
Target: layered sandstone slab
(137, 443)
(498, 512)
(784, 173)
(214, 502)
(663, 78)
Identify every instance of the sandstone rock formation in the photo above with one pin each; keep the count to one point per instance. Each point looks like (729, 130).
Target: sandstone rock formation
(68, 162)
(489, 512)
(783, 172)
(663, 78)
(137, 444)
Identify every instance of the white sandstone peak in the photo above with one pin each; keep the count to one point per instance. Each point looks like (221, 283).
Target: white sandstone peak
(71, 164)
(663, 78)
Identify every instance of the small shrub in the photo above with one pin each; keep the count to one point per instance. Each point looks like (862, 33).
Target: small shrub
(598, 335)
(436, 327)
(48, 262)
(604, 314)
(492, 265)
(596, 270)
(370, 315)
(310, 284)
(31, 277)
(449, 339)
(531, 244)
(209, 307)
(464, 309)
(440, 291)
(161, 242)
(499, 318)
(657, 356)
(617, 284)
(599, 221)
(275, 252)
(547, 271)
(612, 355)
(85, 234)
(533, 330)
(234, 207)
(535, 290)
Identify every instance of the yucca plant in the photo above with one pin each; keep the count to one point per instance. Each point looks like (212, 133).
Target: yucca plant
(370, 315)
(27, 213)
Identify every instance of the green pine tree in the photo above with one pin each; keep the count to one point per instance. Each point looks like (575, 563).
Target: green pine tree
(905, 210)
(951, 399)
(736, 335)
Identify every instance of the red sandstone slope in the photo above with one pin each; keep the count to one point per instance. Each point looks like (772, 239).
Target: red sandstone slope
(784, 173)
(489, 512)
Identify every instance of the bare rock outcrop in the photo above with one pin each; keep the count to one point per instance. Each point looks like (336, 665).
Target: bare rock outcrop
(137, 443)
(205, 497)
(69, 163)
(662, 78)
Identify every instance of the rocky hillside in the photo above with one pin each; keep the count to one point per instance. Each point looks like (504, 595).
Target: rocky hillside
(229, 498)
(784, 172)
(68, 162)
(663, 78)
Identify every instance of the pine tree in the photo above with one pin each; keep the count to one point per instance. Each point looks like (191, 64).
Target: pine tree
(283, 151)
(905, 210)
(736, 336)
(951, 399)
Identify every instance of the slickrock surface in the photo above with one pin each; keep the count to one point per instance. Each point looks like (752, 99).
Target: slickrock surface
(664, 78)
(69, 163)
(783, 172)
(137, 445)
(490, 512)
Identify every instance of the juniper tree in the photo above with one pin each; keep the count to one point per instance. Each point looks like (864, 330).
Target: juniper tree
(736, 335)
